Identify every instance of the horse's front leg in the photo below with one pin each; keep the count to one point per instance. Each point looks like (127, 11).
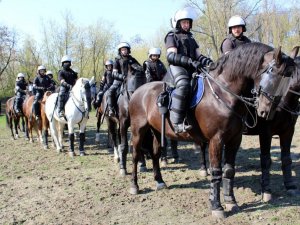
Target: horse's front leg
(16, 124)
(82, 137)
(97, 138)
(123, 148)
(230, 151)
(71, 139)
(11, 125)
(215, 157)
(265, 140)
(286, 162)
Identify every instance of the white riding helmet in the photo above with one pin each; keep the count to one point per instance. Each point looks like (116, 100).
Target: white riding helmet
(49, 72)
(236, 21)
(20, 75)
(123, 45)
(41, 67)
(109, 62)
(154, 51)
(185, 13)
(66, 58)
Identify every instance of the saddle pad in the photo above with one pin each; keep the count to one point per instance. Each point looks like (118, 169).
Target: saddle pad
(198, 93)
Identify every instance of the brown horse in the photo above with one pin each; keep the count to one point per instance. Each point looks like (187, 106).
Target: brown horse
(283, 125)
(218, 118)
(41, 126)
(13, 119)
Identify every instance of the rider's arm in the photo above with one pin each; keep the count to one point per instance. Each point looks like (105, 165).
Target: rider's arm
(205, 61)
(227, 46)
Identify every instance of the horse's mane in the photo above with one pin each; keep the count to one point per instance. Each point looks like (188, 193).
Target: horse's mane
(244, 60)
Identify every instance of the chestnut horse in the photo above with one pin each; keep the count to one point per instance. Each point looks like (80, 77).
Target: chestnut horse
(219, 117)
(12, 119)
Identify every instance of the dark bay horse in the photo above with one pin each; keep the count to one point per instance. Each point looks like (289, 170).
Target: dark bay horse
(218, 118)
(283, 125)
(13, 119)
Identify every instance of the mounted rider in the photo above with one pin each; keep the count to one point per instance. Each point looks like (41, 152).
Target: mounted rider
(20, 91)
(123, 64)
(236, 37)
(53, 84)
(105, 83)
(67, 78)
(154, 69)
(41, 83)
(184, 57)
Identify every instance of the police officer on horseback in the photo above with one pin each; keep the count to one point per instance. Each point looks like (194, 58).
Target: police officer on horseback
(184, 57)
(124, 63)
(67, 78)
(105, 83)
(154, 69)
(52, 82)
(20, 91)
(41, 83)
(236, 37)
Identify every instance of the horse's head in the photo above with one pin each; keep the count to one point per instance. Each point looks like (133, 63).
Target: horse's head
(295, 82)
(273, 82)
(82, 92)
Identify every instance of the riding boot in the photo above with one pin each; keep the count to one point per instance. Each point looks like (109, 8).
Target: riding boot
(214, 198)
(16, 108)
(286, 167)
(265, 161)
(37, 113)
(179, 101)
(123, 155)
(71, 142)
(110, 104)
(98, 99)
(81, 143)
(61, 104)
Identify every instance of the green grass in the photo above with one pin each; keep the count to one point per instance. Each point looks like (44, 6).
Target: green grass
(2, 121)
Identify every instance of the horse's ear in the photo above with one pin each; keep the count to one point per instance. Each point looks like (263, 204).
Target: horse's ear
(294, 52)
(92, 80)
(278, 56)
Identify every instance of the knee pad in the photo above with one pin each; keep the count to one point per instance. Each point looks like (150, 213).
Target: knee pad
(228, 171)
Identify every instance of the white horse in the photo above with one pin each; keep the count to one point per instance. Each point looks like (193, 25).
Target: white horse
(77, 110)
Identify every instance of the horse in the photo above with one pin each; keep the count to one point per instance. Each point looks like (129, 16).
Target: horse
(218, 118)
(31, 121)
(13, 119)
(283, 125)
(77, 110)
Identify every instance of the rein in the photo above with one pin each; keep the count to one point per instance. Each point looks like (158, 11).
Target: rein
(286, 108)
(83, 112)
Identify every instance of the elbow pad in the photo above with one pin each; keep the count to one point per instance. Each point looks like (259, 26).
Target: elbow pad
(178, 60)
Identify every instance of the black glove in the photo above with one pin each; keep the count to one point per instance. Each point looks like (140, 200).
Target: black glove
(196, 65)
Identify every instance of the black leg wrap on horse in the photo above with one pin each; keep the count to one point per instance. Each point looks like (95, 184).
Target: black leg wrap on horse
(45, 137)
(214, 198)
(228, 190)
(81, 142)
(174, 149)
(286, 168)
(71, 142)
(265, 161)
(123, 155)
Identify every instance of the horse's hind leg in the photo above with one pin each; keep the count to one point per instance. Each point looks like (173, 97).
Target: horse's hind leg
(54, 135)
(10, 121)
(286, 163)
(203, 168)
(155, 154)
(82, 138)
(123, 146)
(16, 124)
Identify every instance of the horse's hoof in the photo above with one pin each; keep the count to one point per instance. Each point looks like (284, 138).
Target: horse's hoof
(218, 214)
(143, 169)
(31, 140)
(71, 154)
(160, 186)
(58, 150)
(203, 172)
(46, 147)
(82, 154)
(233, 207)
(116, 160)
(266, 197)
(16, 136)
(293, 192)
(27, 139)
(123, 172)
(134, 190)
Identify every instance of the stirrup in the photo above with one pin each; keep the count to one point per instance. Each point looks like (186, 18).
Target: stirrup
(182, 127)
(111, 113)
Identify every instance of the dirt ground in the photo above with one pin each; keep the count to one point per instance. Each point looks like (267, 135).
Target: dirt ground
(42, 187)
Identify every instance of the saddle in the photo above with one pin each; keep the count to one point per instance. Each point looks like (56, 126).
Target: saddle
(164, 99)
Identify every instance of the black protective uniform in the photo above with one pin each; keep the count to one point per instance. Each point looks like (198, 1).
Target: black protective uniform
(231, 42)
(70, 77)
(154, 70)
(182, 65)
(20, 89)
(106, 82)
